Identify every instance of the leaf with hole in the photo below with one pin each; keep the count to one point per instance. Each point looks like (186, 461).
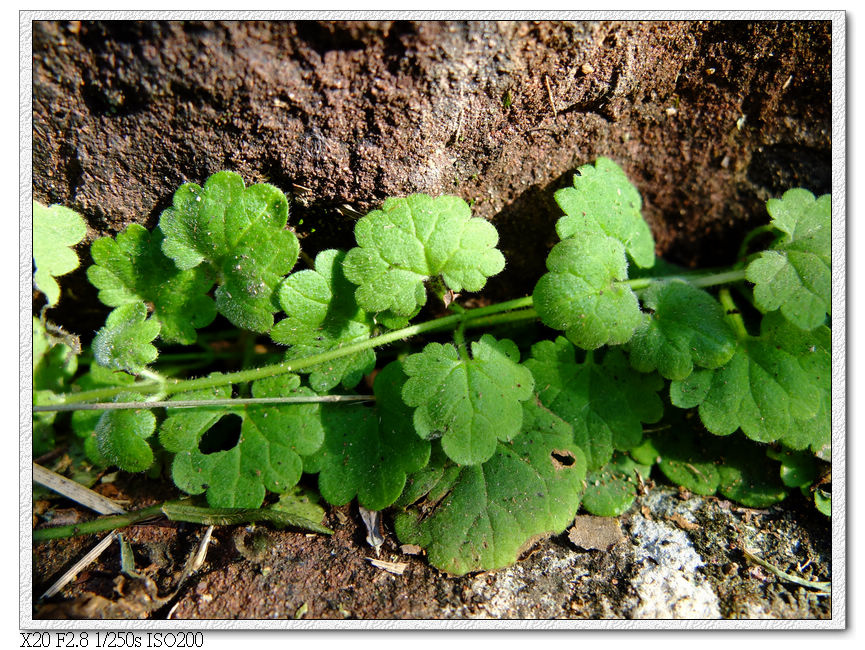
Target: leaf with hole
(261, 451)
(480, 517)
(605, 403)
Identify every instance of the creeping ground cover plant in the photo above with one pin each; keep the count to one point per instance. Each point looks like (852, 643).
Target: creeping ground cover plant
(364, 373)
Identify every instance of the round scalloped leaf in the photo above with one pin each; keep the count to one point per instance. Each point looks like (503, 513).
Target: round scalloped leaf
(686, 327)
(54, 362)
(689, 459)
(813, 350)
(605, 403)
(746, 477)
(795, 275)
(480, 517)
(611, 490)
(266, 456)
(55, 230)
(469, 403)
(132, 268)
(415, 238)
(762, 389)
(124, 342)
(583, 294)
(240, 232)
(368, 452)
(121, 436)
(322, 315)
(602, 200)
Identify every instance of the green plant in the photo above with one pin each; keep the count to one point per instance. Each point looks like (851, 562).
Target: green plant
(479, 446)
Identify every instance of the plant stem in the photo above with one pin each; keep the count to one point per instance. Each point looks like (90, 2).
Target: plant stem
(194, 403)
(504, 312)
(696, 279)
(97, 525)
(734, 317)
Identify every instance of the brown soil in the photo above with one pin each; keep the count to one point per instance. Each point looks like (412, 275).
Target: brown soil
(709, 119)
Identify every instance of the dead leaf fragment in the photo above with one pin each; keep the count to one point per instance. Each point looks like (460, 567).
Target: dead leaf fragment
(595, 533)
(410, 549)
(683, 523)
(391, 567)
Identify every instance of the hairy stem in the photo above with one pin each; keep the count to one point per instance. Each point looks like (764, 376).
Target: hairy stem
(504, 312)
(734, 317)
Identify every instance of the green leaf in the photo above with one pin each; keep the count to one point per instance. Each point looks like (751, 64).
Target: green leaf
(84, 422)
(469, 403)
(368, 452)
(605, 403)
(603, 201)
(795, 275)
(823, 501)
(300, 504)
(686, 327)
(240, 233)
(798, 469)
(124, 342)
(705, 464)
(584, 295)
(413, 239)
(748, 479)
(55, 230)
(54, 362)
(689, 459)
(762, 389)
(132, 268)
(322, 315)
(480, 517)
(611, 490)
(266, 456)
(813, 350)
(121, 435)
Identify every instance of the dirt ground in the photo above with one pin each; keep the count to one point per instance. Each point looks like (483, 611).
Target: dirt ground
(709, 119)
(677, 557)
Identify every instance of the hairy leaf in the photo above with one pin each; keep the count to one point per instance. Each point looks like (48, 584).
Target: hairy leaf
(583, 294)
(322, 315)
(84, 422)
(121, 436)
(368, 452)
(686, 327)
(603, 201)
(415, 238)
(605, 403)
(55, 230)
(798, 469)
(813, 350)
(54, 362)
(795, 275)
(706, 464)
(240, 233)
(611, 490)
(480, 517)
(124, 342)
(132, 268)
(763, 389)
(267, 454)
(469, 403)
